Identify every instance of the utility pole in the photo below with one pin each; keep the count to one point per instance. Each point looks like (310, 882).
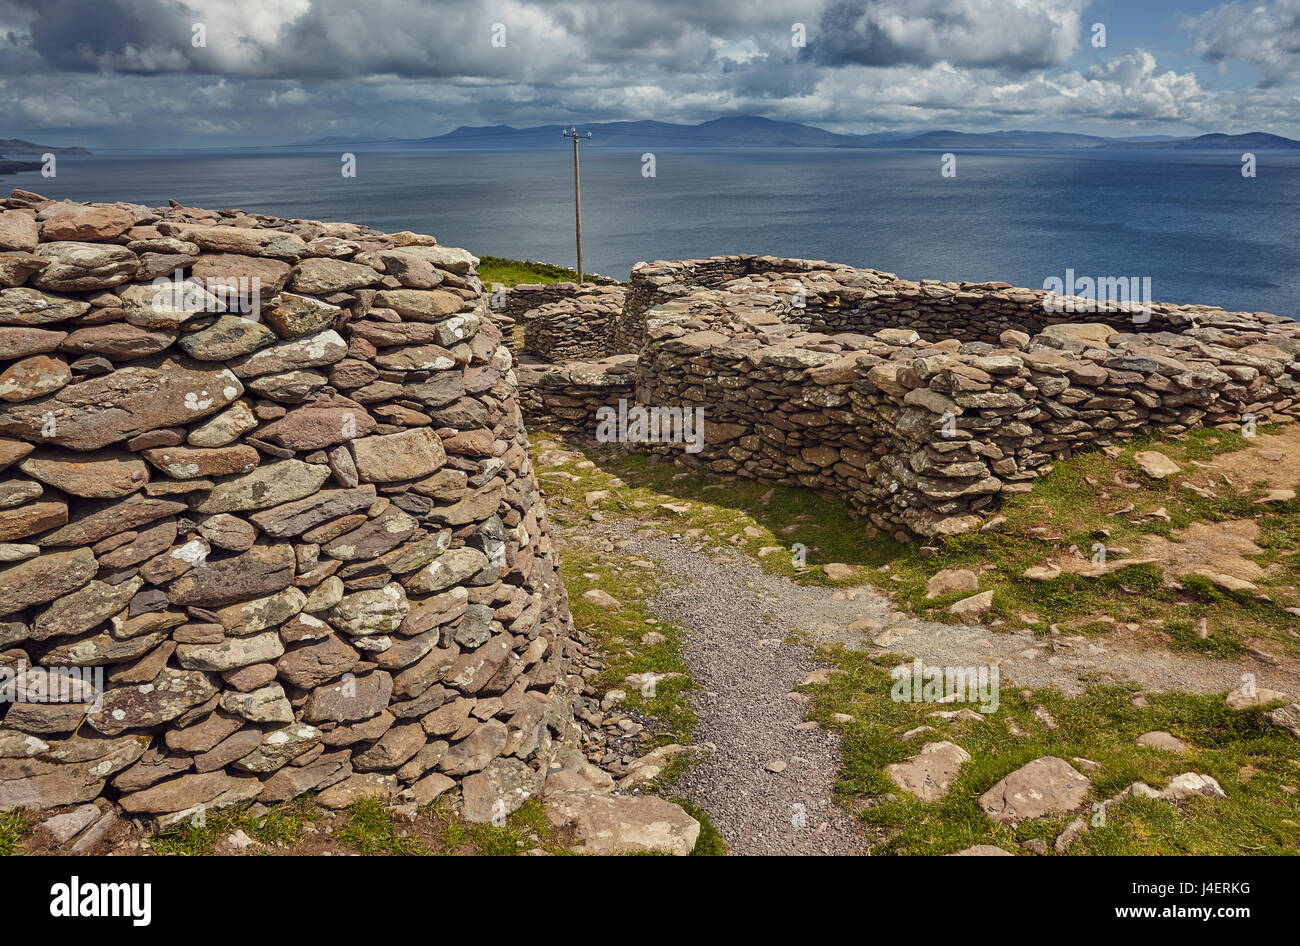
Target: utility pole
(577, 193)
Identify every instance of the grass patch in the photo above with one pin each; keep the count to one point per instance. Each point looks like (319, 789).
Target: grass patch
(512, 272)
(1083, 504)
(1251, 759)
(14, 826)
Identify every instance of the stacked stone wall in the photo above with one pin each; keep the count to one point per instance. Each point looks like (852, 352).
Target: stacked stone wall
(921, 429)
(268, 523)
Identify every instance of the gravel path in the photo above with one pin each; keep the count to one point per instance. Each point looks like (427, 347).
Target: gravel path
(737, 618)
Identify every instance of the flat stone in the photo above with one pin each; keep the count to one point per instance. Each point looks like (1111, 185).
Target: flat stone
(390, 458)
(45, 578)
(1156, 465)
(1164, 741)
(124, 403)
(185, 463)
(350, 701)
(1045, 787)
(33, 377)
(161, 700)
(322, 348)
(228, 337)
(930, 773)
(262, 570)
(271, 484)
(618, 824)
(81, 267)
(362, 786)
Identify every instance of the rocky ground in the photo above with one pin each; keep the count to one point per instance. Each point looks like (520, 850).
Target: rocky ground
(774, 705)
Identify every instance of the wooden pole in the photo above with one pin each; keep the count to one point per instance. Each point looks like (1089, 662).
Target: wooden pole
(577, 194)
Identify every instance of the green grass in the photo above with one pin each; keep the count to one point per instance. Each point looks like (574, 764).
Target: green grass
(512, 272)
(14, 826)
(1251, 759)
(1070, 507)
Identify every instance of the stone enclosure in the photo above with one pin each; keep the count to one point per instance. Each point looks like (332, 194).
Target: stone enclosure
(267, 520)
(918, 404)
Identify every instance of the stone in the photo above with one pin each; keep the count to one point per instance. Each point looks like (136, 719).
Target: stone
(317, 662)
(299, 516)
(1166, 742)
(265, 705)
(327, 421)
(246, 241)
(249, 617)
(321, 348)
(454, 567)
(68, 772)
(1286, 717)
(949, 580)
(102, 518)
(80, 267)
(230, 653)
(362, 786)
(270, 484)
(1189, 784)
(119, 341)
(353, 700)
(31, 519)
(1045, 787)
(614, 824)
(65, 827)
(420, 305)
(141, 397)
(89, 224)
(207, 791)
(371, 612)
(228, 337)
(981, 850)
(262, 570)
(185, 463)
(18, 231)
(225, 428)
(83, 609)
(265, 276)
(293, 316)
(1156, 465)
(279, 747)
(930, 773)
(33, 377)
(602, 599)
(495, 793)
(475, 751)
(390, 458)
(971, 608)
(322, 276)
(167, 306)
(163, 699)
(44, 578)
(32, 307)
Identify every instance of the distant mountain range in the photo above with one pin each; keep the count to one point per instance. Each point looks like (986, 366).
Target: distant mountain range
(18, 146)
(756, 132)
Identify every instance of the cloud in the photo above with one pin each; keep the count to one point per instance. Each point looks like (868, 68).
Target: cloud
(1009, 34)
(274, 71)
(1264, 35)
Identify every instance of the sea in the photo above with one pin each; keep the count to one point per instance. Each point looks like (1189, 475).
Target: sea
(1191, 222)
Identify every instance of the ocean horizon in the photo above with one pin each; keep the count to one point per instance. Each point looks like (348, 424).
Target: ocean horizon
(1190, 222)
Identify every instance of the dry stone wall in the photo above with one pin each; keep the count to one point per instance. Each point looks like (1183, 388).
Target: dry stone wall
(916, 429)
(562, 321)
(267, 519)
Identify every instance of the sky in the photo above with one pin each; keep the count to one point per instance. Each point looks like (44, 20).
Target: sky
(141, 74)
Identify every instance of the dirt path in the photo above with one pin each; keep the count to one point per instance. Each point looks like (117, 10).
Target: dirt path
(738, 619)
